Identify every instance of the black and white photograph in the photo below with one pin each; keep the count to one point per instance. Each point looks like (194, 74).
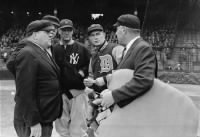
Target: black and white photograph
(100, 68)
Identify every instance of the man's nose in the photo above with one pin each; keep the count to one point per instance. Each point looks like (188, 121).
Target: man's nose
(95, 37)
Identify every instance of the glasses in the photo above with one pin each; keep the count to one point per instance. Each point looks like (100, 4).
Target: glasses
(48, 31)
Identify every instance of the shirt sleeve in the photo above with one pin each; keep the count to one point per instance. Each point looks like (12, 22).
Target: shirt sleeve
(117, 53)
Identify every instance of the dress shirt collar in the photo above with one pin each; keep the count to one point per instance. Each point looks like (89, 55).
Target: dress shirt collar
(130, 44)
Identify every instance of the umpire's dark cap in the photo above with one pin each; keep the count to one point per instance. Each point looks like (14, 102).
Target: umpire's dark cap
(38, 25)
(94, 27)
(53, 19)
(128, 20)
(66, 23)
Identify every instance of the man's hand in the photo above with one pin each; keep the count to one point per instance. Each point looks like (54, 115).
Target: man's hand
(36, 130)
(100, 81)
(81, 73)
(107, 98)
(88, 82)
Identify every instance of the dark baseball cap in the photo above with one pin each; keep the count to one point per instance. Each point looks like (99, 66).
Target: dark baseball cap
(66, 23)
(53, 19)
(128, 20)
(94, 27)
(38, 25)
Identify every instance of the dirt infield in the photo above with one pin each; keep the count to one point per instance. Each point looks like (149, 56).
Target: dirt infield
(7, 91)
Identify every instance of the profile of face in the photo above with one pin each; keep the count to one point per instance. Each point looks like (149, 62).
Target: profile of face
(55, 31)
(45, 36)
(97, 38)
(66, 33)
(120, 32)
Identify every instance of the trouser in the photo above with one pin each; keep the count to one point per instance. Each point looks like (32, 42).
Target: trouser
(23, 131)
(73, 120)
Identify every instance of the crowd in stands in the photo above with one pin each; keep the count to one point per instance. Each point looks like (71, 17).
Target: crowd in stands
(9, 40)
(162, 36)
(12, 36)
(157, 36)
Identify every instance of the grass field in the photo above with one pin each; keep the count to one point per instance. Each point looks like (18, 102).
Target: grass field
(7, 91)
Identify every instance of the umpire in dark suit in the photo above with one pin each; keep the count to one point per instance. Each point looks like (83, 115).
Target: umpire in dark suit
(138, 56)
(38, 97)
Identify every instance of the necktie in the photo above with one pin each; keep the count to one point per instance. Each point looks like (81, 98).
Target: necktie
(123, 53)
(49, 56)
(51, 59)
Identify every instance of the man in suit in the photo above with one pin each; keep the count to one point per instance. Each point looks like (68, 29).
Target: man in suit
(38, 97)
(138, 56)
(52, 19)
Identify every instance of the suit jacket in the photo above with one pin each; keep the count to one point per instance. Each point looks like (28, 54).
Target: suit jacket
(140, 58)
(10, 64)
(38, 97)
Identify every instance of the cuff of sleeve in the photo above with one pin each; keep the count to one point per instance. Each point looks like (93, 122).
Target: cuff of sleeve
(100, 81)
(115, 97)
(81, 73)
(32, 119)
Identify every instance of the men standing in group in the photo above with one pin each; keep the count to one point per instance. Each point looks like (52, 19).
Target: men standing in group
(138, 56)
(106, 56)
(38, 95)
(72, 55)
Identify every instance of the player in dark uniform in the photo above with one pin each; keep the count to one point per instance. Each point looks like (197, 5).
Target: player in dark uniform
(72, 54)
(106, 58)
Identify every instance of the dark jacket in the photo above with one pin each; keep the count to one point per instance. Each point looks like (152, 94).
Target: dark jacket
(10, 64)
(102, 63)
(38, 96)
(69, 66)
(140, 58)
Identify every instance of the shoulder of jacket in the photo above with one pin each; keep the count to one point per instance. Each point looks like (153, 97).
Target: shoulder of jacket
(79, 44)
(27, 51)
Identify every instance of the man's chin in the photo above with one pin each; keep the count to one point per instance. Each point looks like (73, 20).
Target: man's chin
(49, 44)
(97, 44)
(67, 39)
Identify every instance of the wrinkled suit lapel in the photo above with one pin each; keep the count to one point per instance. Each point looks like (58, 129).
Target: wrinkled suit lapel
(44, 56)
(129, 52)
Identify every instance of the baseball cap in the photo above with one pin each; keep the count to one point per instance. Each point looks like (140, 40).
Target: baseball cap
(66, 23)
(38, 25)
(94, 27)
(128, 20)
(53, 19)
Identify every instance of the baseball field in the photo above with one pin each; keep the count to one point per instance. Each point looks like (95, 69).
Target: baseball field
(7, 92)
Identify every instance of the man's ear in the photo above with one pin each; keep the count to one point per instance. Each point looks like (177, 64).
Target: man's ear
(124, 30)
(35, 36)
